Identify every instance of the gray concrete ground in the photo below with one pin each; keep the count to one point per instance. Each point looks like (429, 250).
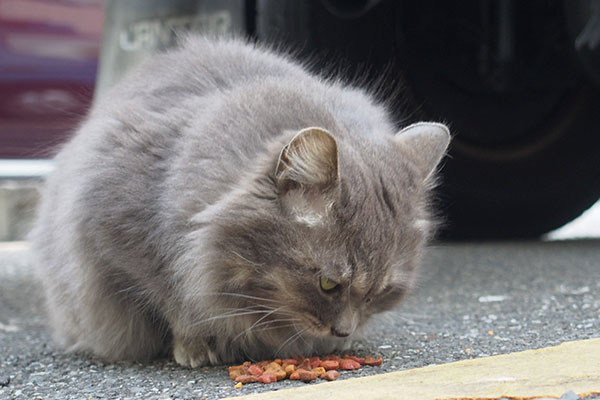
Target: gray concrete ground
(474, 300)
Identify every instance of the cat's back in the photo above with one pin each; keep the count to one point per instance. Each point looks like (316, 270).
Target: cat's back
(123, 160)
(165, 106)
(179, 131)
(200, 66)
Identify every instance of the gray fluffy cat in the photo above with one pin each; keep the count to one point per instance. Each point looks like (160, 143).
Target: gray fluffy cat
(222, 203)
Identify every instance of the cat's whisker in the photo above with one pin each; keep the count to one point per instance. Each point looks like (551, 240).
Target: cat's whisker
(233, 313)
(234, 310)
(255, 323)
(230, 315)
(291, 340)
(281, 309)
(348, 290)
(245, 259)
(410, 321)
(250, 308)
(244, 296)
(277, 320)
(267, 323)
(412, 315)
(275, 327)
(301, 337)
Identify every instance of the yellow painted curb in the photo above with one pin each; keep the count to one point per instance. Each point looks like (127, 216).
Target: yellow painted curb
(547, 372)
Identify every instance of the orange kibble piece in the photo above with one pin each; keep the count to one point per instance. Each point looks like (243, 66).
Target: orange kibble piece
(273, 365)
(255, 370)
(281, 374)
(319, 371)
(359, 360)
(303, 375)
(276, 370)
(289, 370)
(330, 364)
(330, 375)
(304, 364)
(372, 361)
(234, 373)
(315, 362)
(349, 364)
(246, 379)
(263, 364)
(238, 370)
(307, 376)
(289, 361)
(332, 357)
(267, 378)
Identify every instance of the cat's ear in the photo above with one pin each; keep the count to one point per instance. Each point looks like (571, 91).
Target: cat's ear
(307, 174)
(309, 160)
(428, 141)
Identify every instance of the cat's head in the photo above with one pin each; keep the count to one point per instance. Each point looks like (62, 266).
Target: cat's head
(330, 232)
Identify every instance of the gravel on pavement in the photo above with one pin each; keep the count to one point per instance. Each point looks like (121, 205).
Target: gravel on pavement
(473, 300)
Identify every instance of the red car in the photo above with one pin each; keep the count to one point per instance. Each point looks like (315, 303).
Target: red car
(48, 62)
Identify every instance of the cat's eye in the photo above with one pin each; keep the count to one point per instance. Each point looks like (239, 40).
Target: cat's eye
(327, 284)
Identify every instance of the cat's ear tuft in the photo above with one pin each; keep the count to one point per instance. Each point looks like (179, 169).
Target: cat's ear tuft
(307, 175)
(428, 141)
(310, 159)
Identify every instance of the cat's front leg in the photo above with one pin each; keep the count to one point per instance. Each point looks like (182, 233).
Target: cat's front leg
(194, 352)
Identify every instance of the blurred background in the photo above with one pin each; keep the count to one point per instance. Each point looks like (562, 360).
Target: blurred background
(48, 63)
(518, 83)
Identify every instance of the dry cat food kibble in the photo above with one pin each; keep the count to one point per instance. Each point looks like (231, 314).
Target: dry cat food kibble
(299, 368)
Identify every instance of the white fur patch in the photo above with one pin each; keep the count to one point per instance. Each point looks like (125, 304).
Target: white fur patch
(422, 224)
(310, 219)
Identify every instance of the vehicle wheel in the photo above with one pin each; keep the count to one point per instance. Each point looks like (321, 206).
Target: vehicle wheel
(503, 74)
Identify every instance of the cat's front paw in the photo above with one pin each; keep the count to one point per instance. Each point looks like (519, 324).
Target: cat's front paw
(193, 354)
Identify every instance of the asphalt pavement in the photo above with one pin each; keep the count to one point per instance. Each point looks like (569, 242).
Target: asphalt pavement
(474, 300)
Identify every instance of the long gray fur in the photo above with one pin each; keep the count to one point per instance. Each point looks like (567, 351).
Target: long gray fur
(183, 216)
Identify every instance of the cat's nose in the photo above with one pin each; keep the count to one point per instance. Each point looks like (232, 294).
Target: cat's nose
(337, 333)
(345, 323)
